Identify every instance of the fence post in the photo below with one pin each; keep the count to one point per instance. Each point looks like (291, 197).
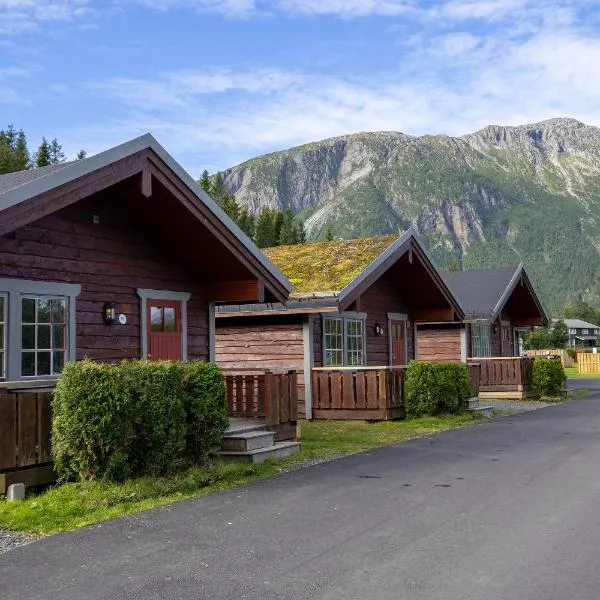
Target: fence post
(271, 399)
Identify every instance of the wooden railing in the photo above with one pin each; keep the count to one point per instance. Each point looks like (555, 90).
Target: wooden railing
(362, 393)
(505, 374)
(475, 378)
(268, 395)
(25, 429)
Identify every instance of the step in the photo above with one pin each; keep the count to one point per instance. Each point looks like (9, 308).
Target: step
(235, 428)
(249, 440)
(485, 411)
(278, 451)
(472, 402)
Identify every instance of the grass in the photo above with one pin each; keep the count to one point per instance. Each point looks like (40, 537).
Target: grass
(73, 505)
(573, 372)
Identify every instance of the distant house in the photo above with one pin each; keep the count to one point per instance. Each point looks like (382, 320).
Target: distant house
(499, 305)
(354, 303)
(581, 333)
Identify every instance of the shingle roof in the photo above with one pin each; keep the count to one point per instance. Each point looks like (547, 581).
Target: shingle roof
(327, 266)
(479, 292)
(579, 324)
(10, 181)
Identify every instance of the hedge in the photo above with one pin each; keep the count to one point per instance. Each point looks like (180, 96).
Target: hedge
(135, 418)
(435, 388)
(548, 377)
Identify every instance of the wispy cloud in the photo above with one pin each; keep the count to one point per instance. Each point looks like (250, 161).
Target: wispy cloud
(19, 16)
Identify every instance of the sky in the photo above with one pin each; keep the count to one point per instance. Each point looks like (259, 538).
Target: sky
(221, 81)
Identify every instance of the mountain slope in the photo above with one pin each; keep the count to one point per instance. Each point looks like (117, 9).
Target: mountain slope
(495, 197)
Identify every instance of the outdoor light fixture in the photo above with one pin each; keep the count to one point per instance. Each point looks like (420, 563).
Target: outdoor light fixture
(110, 315)
(495, 328)
(378, 330)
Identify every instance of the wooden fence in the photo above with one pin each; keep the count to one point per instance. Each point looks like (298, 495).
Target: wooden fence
(265, 395)
(566, 360)
(361, 393)
(505, 374)
(588, 364)
(475, 378)
(25, 427)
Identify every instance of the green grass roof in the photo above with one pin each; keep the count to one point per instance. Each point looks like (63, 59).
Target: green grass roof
(327, 266)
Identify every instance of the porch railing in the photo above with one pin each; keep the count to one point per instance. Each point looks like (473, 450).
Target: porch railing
(505, 374)
(25, 428)
(362, 393)
(268, 395)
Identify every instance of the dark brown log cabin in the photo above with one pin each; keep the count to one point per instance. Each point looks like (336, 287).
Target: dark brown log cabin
(355, 303)
(499, 305)
(117, 256)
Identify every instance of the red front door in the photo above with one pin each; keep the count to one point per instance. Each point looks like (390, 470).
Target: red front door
(398, 332)
(164, 329)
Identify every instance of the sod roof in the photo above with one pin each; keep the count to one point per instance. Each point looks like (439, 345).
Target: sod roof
(327, 266)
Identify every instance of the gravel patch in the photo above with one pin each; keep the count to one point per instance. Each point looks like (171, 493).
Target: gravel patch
(10, 540)
(518, 405)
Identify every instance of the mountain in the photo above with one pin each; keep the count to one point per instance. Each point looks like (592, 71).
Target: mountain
(496, 197)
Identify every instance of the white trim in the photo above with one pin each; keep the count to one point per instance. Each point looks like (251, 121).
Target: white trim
(343, 317)
(309, 362)
(212, 337)
(463, 344)
(399, 317)
(15, 289)
(515, 338)
(148, 294)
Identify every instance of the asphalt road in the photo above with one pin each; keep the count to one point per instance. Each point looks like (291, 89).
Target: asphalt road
(503, 510)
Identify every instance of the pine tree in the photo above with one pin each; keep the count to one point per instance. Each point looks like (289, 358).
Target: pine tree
(81, 155)
(56, 154)
(21, 153)
(301, 233)
(13, 150)
(246, 222)
(42, 156)
(266, 229)
(287, 232)
(329, 234)
(205, 182)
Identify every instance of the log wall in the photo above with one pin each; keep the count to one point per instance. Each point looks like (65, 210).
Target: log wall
(441, 344)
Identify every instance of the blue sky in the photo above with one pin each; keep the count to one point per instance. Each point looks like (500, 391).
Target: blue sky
(220, 81)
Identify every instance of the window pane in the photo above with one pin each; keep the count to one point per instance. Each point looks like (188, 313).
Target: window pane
(58, 310)
(28, 310)
(43, 337)
(2, 308)
(43, 363)
(58, 362)
(43, 310)
(58, 336)
(28, 337)
(156, 318)
(1, 337)
(169, 314)
(28, 364)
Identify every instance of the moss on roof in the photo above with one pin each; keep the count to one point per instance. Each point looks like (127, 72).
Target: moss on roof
(327, 266)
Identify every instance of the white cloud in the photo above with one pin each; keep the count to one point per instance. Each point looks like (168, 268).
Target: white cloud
(22, 16)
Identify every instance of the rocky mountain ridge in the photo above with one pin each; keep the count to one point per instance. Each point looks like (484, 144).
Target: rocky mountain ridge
(498, 196)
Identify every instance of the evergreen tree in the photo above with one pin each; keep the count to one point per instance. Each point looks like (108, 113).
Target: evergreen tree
(559, 337)
(21, 153)
(81, 155)
(13, 150)
(287, 231)
(205, 182)
(42, 156)
(246, 222)
(584, 311)
(329, 234)
(266, 228)
(301, 233)
(56, 153)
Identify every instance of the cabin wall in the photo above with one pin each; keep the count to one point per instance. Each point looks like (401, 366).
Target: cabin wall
(262, 343)
(110, 259)
(439, 343)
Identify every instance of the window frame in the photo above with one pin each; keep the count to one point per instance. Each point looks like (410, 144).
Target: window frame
(479, 326)
(14, 290)
(4, 325)
(345, 318)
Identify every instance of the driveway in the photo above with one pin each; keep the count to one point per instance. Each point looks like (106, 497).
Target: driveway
(505, 509)
(584, 383)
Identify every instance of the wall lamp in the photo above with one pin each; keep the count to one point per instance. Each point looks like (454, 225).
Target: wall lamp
(378, 330)
(109, 313)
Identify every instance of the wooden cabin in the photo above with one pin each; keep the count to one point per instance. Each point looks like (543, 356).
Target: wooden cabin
(355, 303)
(499, 305)
(117, 256)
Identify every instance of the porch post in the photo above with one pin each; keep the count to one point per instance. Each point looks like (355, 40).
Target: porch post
(307, 331)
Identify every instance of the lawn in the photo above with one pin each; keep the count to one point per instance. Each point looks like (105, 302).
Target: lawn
(73, 505)
(572, 372)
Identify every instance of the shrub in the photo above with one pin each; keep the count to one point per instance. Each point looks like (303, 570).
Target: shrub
(135, 418)
(435, 388)
(572, 353)
(548, 376)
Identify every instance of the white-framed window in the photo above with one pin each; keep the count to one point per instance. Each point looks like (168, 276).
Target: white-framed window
(44, 324)
(3, 307)
(37, 328)
(584, 332)
(480, 340)
(343, 341)
(573, 331)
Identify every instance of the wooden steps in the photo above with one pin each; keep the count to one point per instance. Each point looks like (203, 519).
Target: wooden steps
(255, 444)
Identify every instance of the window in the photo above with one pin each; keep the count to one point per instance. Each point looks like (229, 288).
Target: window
(43, 336)
(343, 341)
(584, 332)
(572, 331)
(480, 340)
(2, 337)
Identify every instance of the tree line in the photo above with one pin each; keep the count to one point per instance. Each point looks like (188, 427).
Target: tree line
(15, 154)
(269, 227)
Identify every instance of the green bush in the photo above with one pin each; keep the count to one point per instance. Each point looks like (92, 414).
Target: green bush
(548, 376)
(135, 418)
(572, 353)
(435, 388)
